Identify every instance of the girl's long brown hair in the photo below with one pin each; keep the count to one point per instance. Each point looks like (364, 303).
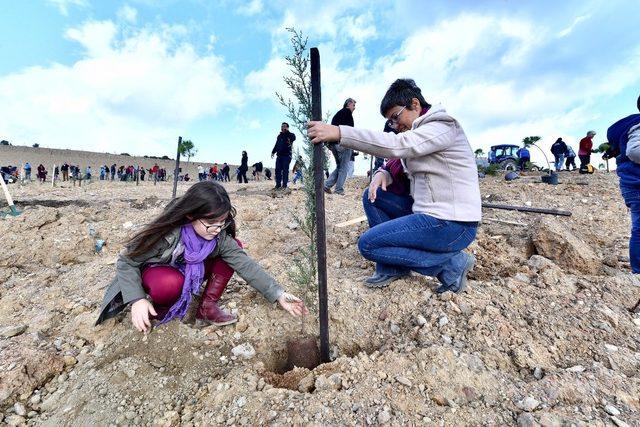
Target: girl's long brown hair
(204, 200)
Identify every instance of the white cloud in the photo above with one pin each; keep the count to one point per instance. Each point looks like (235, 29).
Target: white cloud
(359, 28)
(64, 5)
(140, 91)
(263, 84)
(252, 8)
(565, 32)
(128, 14)
(478, 66)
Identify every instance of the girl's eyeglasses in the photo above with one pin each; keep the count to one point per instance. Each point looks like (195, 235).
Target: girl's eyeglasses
(212, 228)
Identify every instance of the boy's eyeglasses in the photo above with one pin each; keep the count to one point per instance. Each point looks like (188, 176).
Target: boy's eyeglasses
(393, 120)
(216, 227)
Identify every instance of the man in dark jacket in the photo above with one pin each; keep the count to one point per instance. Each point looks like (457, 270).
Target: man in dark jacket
(559, 150)
(341, 154)
(282, 150)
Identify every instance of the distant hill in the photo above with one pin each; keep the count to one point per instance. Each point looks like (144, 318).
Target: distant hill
(16, 155)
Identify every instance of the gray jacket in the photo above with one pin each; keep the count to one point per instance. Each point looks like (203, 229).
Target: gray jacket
(633, 144)
(438, 159)
(127, 285)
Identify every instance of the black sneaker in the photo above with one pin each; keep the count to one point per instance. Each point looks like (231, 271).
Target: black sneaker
(381, 280)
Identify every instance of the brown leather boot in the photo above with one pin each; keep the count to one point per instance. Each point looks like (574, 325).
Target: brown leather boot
(209, 313)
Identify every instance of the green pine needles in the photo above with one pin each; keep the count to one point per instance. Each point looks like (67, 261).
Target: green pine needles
(304, 269)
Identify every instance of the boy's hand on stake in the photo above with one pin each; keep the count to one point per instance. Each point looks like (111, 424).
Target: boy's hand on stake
(292, 304)
(320, 132)
(140, 311)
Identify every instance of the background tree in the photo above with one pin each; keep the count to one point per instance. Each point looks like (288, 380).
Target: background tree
(479, 152)
(187, 149)
(603, 148)
(36, 145)
(530, 140)
(5, 142)
(304, 269)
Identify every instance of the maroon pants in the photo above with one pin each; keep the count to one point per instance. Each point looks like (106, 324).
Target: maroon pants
(163, 283)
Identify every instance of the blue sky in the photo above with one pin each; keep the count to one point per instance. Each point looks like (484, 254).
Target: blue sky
(131, 76)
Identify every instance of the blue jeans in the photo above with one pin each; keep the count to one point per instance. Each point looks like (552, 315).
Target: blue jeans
(400, 241)
(342, 157)
(631, 198)
(282, 171)
(559, 161)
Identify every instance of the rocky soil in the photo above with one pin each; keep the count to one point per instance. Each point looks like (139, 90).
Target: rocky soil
(543, 336)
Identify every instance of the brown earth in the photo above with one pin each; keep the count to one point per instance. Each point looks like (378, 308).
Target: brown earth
(543, 336)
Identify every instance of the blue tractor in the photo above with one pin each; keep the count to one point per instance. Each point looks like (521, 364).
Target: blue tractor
(506, 156)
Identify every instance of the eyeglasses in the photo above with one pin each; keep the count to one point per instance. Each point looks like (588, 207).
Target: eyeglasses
(216, 227)
(393, 120)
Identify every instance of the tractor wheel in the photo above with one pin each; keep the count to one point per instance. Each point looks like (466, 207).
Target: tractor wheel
(509, 165)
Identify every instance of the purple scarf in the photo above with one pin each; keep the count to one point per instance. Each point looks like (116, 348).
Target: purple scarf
(196, 250)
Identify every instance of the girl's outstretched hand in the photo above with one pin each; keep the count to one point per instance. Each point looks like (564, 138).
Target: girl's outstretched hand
(320, 132)
(140, 311)
(292, 304)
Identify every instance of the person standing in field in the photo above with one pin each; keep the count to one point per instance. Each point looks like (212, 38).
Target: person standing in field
(341, 154)
(585, 148)
(244, 167)
(282, 150)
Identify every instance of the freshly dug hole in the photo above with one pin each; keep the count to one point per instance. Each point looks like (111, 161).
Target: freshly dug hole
(302, 353)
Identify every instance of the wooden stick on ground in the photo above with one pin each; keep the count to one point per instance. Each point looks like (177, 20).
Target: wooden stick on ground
(357, 220)
(12, 207)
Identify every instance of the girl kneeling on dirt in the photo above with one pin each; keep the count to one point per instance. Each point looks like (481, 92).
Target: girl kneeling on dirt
(167, 261)
(424, 231)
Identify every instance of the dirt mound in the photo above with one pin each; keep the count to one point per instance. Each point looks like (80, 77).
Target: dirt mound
(543, 335)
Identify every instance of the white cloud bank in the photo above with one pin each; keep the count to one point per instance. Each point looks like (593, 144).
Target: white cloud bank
(138, 91)
(483, 68)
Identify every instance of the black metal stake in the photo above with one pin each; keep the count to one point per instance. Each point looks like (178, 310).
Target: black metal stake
(527, 209)
(176, 172)
(321, 228)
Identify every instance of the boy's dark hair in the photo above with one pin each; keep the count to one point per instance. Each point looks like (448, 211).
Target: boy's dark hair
(203, 200)
(347, 102)
(401, 93)
(285, 123)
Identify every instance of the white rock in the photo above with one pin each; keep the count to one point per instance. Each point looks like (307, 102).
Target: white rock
(636, 321)
(404, 381)
(610, 348)
(576, 368)
(241, 401)
(127, 225)
(12, 331)
(443, 321)
(420, 320)
(245, 350)
(611, 410)
(617, 421)
(384, 417)
(529, 404)
(19, 409)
